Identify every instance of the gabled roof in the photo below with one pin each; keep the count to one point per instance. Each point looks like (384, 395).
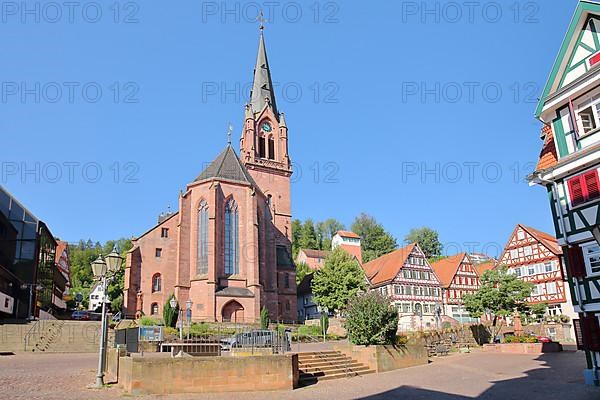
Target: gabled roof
(310, 253)
(446, 268)
(385, 268)
(347, 234)
(545, 238)
(548, 157)
(486, 266)
(227, 166)
(305, 287)
(584, 8)
(262, 87)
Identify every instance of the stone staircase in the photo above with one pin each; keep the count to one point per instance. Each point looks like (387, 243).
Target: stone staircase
(323, 365)
(51, 336)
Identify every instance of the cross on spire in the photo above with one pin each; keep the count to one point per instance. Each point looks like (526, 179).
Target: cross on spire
(229, 130)
(261, 19)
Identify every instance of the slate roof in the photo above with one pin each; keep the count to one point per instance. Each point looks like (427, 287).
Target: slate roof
(446, 268)
(305, 287)
(227, 166)
(385, 268)
(262, 87)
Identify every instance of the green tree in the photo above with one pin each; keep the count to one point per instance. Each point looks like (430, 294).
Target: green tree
(339, 280)
(500, 293)
(302, 269)
(427, 239)
(375, 241)
(308, 235)
(371, 319)
(325, 231)
(296, 233)
(170, 314)
(264, 318)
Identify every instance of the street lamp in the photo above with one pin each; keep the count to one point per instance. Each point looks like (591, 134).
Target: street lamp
(104, 270)
(173, 303)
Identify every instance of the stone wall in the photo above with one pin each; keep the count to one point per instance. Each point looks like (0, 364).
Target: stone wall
(523, 348)
(166, 375)
(382, 358)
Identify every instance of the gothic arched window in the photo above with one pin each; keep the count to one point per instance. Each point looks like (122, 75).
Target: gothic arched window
(202, 264)
(154, 309)
(262, 150)
(156, 283)
(231, 238)
(271, 148)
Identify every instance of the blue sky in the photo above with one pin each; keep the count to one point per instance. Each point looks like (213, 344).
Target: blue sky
(373, 95)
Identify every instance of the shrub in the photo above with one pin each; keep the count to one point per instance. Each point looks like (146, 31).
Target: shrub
(310, 330)
(520, 339)
(201, 329)
(170, 332)
(564, 318)
(170, 314)
(264, 318)
(401, 340)
(371, 319)
(150, 321)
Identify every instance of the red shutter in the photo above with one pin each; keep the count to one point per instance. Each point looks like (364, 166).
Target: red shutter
(576, 190)
(592, 186)
(590, 327)
(575, 263)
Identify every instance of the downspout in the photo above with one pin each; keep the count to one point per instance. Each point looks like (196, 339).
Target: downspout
(595, 367)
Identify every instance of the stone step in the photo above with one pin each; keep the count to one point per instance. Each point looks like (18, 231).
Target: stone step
(325, 362)
(309, 379)
(329, 368)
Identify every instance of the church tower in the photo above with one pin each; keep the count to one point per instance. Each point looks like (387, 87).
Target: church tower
(264, 146)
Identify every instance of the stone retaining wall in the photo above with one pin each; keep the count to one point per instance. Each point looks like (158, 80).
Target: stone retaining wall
(382, 358)
(523, 348)
(167, 375)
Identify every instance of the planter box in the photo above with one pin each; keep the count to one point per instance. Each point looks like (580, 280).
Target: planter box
(382, 358)
(523, 348)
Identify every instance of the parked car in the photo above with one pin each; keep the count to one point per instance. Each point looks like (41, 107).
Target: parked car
(257, 338)
(80, 315)
(544, 339)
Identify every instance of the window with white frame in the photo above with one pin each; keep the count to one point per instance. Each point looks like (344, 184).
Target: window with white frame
(591, 255)
(587, 115)
(520, 234)
(514, 253)
(551, 288)
(528, 250)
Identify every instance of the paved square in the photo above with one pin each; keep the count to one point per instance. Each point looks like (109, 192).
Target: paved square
(465, 376)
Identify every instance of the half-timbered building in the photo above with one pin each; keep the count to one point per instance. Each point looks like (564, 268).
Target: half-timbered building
(408, 280)
(569, 108)
(457, 278)
(535, 257)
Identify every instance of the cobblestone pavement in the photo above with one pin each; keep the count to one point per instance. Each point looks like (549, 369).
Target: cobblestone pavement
(466, 376)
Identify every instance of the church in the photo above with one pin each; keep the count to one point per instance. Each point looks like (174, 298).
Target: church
(228, 247)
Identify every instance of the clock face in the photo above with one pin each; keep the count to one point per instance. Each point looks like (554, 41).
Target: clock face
(266, 127)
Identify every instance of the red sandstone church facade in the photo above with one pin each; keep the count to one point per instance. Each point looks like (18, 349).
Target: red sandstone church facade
(228, 248)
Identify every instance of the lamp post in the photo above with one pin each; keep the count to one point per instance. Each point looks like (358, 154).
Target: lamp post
(173, 303)
(188, 315)
(104, 270)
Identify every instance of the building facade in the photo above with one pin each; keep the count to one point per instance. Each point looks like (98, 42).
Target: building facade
(569, 108)
(228, 248)
(307, 308)
(408, 280)
(568, 169)
(348, 241)
(315, 259)
(458, 277)
(535, 257)
(29, 276)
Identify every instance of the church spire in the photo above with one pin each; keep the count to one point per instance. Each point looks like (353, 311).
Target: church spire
(263, 92)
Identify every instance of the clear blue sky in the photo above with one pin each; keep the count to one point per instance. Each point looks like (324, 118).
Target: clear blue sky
(369, 59)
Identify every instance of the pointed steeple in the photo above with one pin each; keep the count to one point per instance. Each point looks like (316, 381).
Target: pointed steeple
(262, 88)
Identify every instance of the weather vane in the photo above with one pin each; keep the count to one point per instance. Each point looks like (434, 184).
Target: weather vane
(229, 130)
(261, 19)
